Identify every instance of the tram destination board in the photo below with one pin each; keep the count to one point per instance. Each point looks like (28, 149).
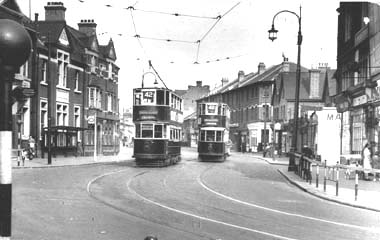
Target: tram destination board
(151, 113)
(212, 121)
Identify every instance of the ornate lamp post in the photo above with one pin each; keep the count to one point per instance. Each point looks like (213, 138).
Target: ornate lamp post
(15, 46)
(272, 36)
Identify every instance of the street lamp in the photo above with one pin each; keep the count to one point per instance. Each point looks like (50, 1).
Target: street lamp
(272, 36)
(15, 46)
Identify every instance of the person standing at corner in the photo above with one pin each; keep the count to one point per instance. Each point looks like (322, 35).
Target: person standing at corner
(366, 156)
(32, 146)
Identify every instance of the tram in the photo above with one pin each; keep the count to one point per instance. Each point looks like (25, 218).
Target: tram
(213, 128)
(158, 118)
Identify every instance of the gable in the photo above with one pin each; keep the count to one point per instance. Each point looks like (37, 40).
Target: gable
(112, 53)
(63, 39)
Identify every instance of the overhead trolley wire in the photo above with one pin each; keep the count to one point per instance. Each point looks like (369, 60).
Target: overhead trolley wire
(198, 42)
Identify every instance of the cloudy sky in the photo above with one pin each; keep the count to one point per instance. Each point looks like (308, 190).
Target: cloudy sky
(237, 41)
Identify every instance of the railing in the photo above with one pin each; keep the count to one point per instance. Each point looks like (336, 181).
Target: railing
(304, 168)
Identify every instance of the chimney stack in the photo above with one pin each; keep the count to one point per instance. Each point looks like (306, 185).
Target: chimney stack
(240, 77)
(261, 68)
(199, 83)
(55, 11)
(285, 65)
(87, 26)
(224, 81)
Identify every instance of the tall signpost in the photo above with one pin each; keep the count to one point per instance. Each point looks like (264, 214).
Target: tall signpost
(15, 47)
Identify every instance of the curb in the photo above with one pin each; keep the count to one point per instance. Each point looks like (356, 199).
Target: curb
(316, 194)
(72, 165)
(273, 162)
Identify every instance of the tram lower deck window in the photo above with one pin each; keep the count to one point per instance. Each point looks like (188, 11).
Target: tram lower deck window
(147, 130)
(219, 136)
(210, 136)
(158, 131)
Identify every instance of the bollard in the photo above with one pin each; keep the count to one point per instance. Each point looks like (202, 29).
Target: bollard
(310, 172)
(317, 176)
(356, 183)
(337, 179)
(324, 178)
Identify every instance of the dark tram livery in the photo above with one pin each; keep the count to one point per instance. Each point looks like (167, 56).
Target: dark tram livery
(158, 118)
(213, 127)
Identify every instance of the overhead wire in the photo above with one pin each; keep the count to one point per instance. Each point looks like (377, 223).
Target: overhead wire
(132, 8)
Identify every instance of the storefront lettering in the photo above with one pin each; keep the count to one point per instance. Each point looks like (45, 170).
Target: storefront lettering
(333, 116)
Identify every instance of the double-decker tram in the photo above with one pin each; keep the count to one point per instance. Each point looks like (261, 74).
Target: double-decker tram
(158, 118)
(213, 128)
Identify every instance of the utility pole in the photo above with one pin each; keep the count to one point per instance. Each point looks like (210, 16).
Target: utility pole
(50, 100)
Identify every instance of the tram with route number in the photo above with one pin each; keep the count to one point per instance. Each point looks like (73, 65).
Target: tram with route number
(158, 119)
(213, 131)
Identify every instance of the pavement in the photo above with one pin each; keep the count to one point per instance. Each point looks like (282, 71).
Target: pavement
(125, 154)
(368, 196)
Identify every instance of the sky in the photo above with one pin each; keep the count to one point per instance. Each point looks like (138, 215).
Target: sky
(238, 40)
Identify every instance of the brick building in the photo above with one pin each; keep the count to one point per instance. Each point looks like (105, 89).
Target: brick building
(74, 75)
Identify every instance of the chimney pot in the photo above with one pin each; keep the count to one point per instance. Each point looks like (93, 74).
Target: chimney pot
(55, 11)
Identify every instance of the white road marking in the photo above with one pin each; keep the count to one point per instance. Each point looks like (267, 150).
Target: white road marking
(201, 217)
(285, 213)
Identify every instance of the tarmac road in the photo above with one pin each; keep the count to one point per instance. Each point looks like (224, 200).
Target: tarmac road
(238, 199)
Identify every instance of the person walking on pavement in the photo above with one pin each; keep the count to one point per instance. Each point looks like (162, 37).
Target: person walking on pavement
(366, 158)
(32, 146)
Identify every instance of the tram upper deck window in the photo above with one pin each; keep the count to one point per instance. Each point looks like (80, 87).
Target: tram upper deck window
(160, 97)
(148, 97)
(147, 130)
(137, 98)
(211, 109)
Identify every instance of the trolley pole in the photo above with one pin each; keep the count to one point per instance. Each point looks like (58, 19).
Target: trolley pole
(15, 46)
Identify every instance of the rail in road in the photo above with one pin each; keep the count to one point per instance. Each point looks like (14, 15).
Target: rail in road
(189, 193)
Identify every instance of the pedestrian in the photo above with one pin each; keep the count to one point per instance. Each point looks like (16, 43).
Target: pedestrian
(80, 148)
(366, 160)
(32, 146)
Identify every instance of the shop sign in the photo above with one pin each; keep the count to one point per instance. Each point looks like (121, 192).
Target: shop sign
(359, 100)
(342, 103)
(91, 119)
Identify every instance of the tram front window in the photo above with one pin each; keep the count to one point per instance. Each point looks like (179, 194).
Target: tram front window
(203, 136)
(219, 136)
(211, 109)
(138, 133)
(158, 131)
(210, 136)
(147, 131)
(148, 97)
(160, 97)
